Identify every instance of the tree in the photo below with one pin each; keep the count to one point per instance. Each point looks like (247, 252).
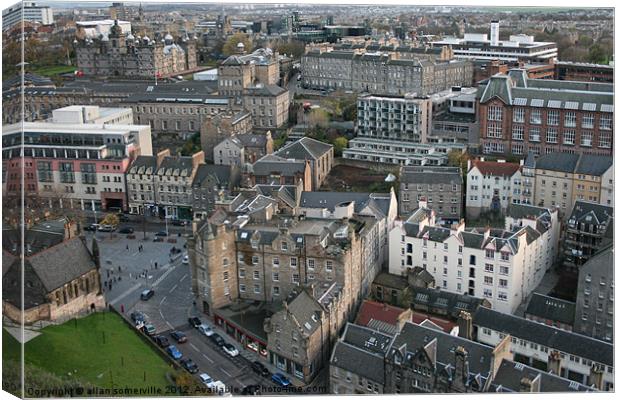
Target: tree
(230, 47)
(110, 219)
(318, 118)
(340, 143)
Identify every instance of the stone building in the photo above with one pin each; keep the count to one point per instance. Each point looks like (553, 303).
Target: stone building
(221, 126)
(594, 313)
(518, 115)
(61, 275)
(276, 170)
(123, 55)
(241, 71)
(381, 73)
(268, 105)
(212, 182)
(440, 187)
(241, 149)
(141, 187)
(173, 185)
(320, 155)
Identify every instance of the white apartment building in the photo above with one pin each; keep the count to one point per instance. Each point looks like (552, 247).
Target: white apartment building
(492, 186)
(501, 265)
(607, 187)
(32, 12)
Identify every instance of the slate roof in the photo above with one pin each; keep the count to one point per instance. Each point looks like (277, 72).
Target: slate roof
(561, 162)
(553, 338)
(287, 193)
(306, 311)
(452, 303)
(373, 310)
(38, 237)
(595, 165)
(551, 308)
(520, 211)
(176, 166)
(272, 163)
(361, 351)
(415, 337)
(582, 209)
(330, 200)
(431, 175)
(509, 375)
(142, 164)
(391, 281)
(252, 140)
(220, 172)
(29, 79)
(305, 148)
(45, 271)
(495, 168)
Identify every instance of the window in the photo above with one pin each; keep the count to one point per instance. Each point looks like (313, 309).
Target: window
(570, 119)
(275, 277)
(489, 253)
(517, 132)
(242, 288)
(534, 134)
(255, 260)
(586, 138)
(487, 293)
(535, 117)
(257, 288)
(502, 296)
(241, 273)
(329, 265)
(488, 280)
(518, 114)
(604, 140)
(503, 270)
(569, 137)
(587, 121)
(295, 279)
(293, 262)
(552, 135)
(553, 117)
(276, 261)
(488, 267)
(284, 246)
(494, 130)
(472, 260)
(504, 256)
(225, 275)
(605, 122)
(311, 263)
(256, 275)
(503, 283)
(495, 113)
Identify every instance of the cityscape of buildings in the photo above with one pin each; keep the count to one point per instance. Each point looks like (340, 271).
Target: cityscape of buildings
(367, 200)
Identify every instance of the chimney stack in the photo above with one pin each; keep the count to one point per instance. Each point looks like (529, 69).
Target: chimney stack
(596, 377)
(554, 363)
(528, 385)
(465, 324)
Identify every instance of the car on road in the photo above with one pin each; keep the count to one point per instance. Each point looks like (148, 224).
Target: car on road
(147, 294)
(162, 341)
(174, 352)
(149, 329)
(189, 365)
(91, 227)
(260, 369)
(137, 317)
(123, 218)
(230, 349)
(217, 339)
(205, 379)
(106, 228)
(219, 388)
(126, 230)
(179, 222)
(280, 379)
(179, 336)
(194, 322)
(205, 330)
(161, 233)
(185, 259)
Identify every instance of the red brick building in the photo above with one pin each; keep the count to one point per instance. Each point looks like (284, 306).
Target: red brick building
(571, 71)
(518, 115)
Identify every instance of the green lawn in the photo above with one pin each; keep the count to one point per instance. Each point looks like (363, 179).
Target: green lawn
(53, 70)
(101, 349)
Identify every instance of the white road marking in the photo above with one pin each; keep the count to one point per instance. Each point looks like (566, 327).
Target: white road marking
(194, 347)
(205, 356)
(162, 300)
(184, 276)
(224, 371)
(174, 287)
(164, 275)
(170, 325)
(126, 293)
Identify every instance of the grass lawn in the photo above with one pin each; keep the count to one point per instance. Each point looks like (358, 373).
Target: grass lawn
(101, 348)
(53, 70)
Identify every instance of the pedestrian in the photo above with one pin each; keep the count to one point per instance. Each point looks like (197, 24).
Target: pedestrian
(119, 268)
(155, 264)
(127, 247)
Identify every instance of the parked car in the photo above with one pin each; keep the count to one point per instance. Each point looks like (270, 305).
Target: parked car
(174, 352)
(179, 222)
(280, 379)
(205, 379)
(217, 339)
(251, 390)
(149, 329)
(147, 294)
(179, 336)
(205, 330)
(126, 230)
(260, 369)
(189, 365)
(161, 341)
(185, 259)
(123, 218)
(161, 233)
(194, 322)
(230, 349)
(137, 317)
